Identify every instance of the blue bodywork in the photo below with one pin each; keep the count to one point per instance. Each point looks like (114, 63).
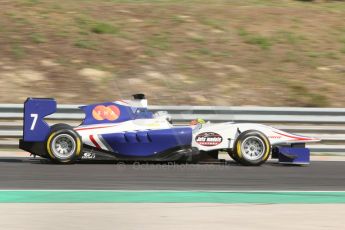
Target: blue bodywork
(149, 142)
(293, 155)
(35, 109)
(126, 113)
(141, 143)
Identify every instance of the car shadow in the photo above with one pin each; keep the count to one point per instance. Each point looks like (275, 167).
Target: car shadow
(231, 163)
(10, 160)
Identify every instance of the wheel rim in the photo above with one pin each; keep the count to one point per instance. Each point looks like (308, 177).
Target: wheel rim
(253, 148)
(63, 146)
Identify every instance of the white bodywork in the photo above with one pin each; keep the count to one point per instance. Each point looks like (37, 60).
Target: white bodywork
(229, 131)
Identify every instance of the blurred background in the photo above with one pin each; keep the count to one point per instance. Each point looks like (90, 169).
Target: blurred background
(194, 52)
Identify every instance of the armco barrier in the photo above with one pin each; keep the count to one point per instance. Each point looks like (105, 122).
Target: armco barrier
(327, 124)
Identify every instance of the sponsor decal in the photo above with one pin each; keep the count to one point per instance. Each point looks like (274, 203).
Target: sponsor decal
(209, 139)
(299, 138)
(110, 113)
(89, 155)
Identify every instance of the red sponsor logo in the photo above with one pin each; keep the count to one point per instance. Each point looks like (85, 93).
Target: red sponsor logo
(101, 112)
(209, 139)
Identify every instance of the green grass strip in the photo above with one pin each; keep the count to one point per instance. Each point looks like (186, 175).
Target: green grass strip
(46, 196)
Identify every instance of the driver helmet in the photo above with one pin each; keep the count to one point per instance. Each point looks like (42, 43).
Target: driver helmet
(197, 121)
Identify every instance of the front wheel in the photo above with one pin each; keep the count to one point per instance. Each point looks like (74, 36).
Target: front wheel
(252, 148)
(233, 156)
(63, 144)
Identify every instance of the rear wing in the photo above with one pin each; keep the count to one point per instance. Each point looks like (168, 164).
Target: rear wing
(35, 129)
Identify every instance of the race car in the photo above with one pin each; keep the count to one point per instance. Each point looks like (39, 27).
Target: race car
(125, 130)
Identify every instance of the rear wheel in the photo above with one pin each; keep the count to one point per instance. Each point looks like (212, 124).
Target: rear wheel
(63, 144)
(252, 148)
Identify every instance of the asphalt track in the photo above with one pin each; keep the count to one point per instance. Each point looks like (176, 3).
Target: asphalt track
(25, 173)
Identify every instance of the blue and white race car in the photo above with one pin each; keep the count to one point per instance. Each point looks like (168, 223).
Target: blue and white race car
(126, 130)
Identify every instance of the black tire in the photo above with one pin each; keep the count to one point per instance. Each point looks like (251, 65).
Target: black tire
(233, 156)
(256, 143)
(70, 140)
